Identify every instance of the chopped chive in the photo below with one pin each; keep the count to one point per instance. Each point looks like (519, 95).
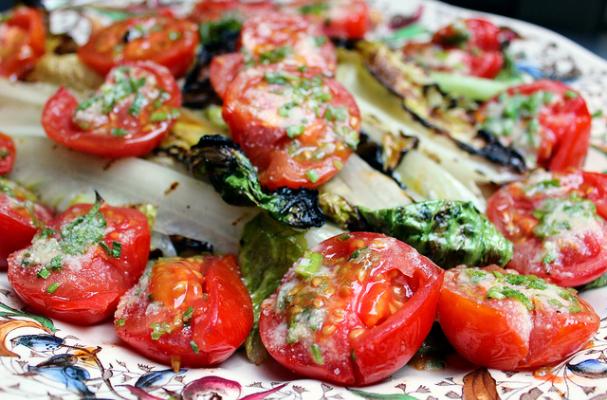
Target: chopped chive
(194, 347)
(119, 132)
(137, 104)
(320, 40)
(174, 35)
(570, 94)
(336, 113)
(312, 176)
(597, 114)
(44, 273)
(52, 288)
(316, 353)
(295, 130)
(120, 322)
(187, 315)
(309, 264)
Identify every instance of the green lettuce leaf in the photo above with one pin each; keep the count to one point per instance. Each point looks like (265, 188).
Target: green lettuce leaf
(448, 232)
(267, 250)
(234, 177)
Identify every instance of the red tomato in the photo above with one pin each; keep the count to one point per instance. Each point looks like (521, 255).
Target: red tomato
(281, 38)
(167, 41)
(128, 116)
(353, 310)
(557, 225)
(215, 10)
(471, 33)
(77, 269)
(344, 19)
(22, 40)
(202, 311)
(499, 319)
(223, 70)
(7, 154)
(546, 121)
(298, 128)
(20, 217)
(471, 46)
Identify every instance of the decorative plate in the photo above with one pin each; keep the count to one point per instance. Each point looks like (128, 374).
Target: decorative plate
(41, 359)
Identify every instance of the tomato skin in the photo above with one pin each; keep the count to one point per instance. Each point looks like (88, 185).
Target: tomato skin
(106, 48)
(20, 217)
(87, 294)
(61, 107)
(223, 70)
(490, 334)
(23, 38)
(7, 154)
(220, 321)
(353, 352)
(252, 111)
(511, 210)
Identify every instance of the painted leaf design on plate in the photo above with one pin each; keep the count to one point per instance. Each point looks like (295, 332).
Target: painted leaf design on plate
(479, 385)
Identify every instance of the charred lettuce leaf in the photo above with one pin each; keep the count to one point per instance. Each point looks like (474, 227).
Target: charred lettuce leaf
(216, 37)
(234, 177)
(435, 110)
(267, 250)
(448, 232)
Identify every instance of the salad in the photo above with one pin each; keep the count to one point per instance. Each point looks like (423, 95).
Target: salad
(284, 178)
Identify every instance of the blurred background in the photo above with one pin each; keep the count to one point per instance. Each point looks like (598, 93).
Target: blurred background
(583, 21)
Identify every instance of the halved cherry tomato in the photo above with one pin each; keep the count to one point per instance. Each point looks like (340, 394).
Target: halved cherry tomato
(22, 37)
(499, 319)
(469, 33)
(202, 311)
(344, 19)
(20, 217)
(215, 10)
(7, 154)
(470, 46)
(353, 310)
(557, 225)
(298, 128)
(546, 121)
(290, 39)
(167, 41)
(78, 267)
(128, 116)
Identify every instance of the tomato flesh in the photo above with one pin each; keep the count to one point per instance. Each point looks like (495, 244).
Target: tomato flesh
(162, 39)
(128, 116)
(353, 310)
(546, 121)
(78, 267)
(20, 217)
(298, 128)
(202, 311)
(557, 225)
(499, 319)
(22, 41)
